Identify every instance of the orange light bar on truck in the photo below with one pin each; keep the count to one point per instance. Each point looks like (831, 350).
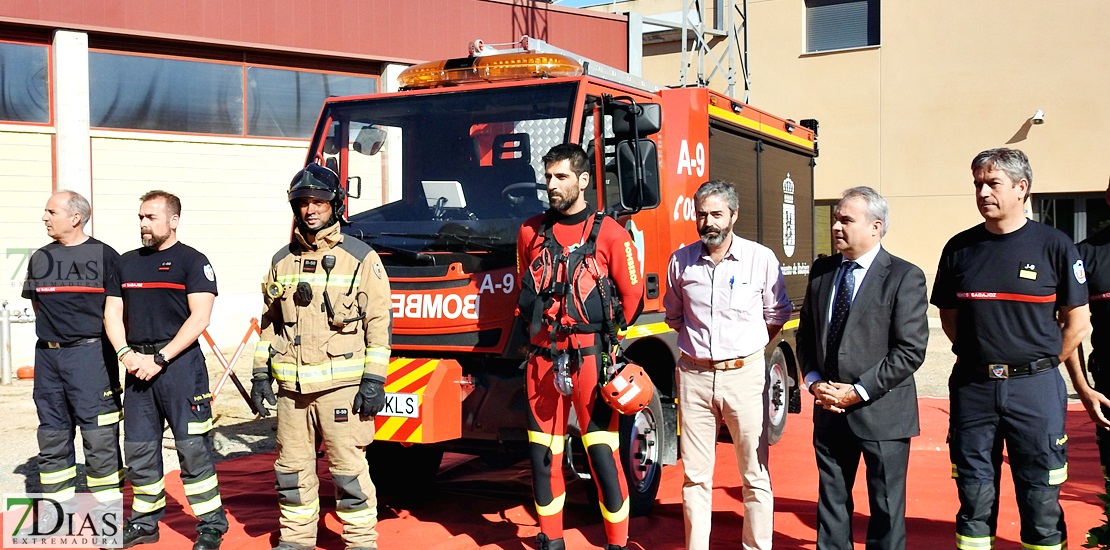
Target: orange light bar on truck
(489, 68)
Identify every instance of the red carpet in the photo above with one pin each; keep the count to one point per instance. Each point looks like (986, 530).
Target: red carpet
(472, 508)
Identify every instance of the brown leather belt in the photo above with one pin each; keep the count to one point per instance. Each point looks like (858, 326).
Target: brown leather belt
(727, 364)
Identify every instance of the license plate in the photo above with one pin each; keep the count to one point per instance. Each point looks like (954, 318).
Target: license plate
(401, 404)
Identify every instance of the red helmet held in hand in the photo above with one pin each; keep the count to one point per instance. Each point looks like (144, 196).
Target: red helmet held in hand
(629, 390)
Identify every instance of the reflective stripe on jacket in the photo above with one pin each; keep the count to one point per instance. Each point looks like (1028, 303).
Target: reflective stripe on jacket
(308, 349)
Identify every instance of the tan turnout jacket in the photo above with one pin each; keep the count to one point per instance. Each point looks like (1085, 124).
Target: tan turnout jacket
(307, 350)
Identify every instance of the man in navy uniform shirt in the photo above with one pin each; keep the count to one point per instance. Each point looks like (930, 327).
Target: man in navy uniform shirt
(1013, 301)
(76, 382)
(168, 290)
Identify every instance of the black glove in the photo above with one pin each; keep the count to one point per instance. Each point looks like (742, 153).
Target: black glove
(371, 397)
(262, 390)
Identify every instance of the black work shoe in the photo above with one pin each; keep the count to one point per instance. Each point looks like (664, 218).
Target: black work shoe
(615, 547)
(134, 535)
(549, 544)
(208, 539)
(291, 546)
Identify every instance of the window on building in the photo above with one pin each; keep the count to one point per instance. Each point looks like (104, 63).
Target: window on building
(823, 244)
(139, 92)
(24, 90)
(285, 103)
(151, 93)
(1080, 216)
(841, 24)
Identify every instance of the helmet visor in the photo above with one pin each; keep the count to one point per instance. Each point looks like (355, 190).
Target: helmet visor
(311, 193)
(314, 182)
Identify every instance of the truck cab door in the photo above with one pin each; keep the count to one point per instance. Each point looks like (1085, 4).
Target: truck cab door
(613, 133)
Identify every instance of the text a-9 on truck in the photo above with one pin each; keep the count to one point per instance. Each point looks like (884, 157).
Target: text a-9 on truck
(459, 149)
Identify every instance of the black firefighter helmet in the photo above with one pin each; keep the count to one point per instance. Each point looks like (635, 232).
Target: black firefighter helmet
(318, 182)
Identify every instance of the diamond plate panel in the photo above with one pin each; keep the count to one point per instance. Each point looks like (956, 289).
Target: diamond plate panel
(543, 134)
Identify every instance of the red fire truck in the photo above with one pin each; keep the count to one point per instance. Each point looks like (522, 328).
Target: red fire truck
(457, 153)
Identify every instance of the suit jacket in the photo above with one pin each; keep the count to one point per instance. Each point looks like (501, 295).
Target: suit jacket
(883, 343)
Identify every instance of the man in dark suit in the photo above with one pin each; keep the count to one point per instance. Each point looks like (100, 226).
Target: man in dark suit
(862, 334)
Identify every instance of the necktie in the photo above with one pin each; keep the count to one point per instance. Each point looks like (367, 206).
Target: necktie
(841, 306)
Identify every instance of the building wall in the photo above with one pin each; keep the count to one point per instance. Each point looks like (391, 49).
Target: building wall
(230, 194)
(25, 176)
(233, 209)
(406, 32)
(25, 179)
(231, 187)
(949, 79)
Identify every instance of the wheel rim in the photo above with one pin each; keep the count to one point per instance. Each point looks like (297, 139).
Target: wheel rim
(776, 393)
(643, 451)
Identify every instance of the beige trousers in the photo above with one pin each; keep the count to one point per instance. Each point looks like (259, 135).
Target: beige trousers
(736, 397)
(301, 417)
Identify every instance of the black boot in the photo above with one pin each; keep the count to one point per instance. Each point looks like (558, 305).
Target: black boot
(549, 544)
(208, 539)
(615, 547)
(134, 535)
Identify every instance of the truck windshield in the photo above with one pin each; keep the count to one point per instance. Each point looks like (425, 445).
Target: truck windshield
(454, 171)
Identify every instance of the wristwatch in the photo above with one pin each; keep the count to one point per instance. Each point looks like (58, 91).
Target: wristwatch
(160, 359)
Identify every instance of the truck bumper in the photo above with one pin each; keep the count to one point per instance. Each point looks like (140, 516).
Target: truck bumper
(423, 401)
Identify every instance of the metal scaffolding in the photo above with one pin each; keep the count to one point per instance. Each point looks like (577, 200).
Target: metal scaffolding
(730, 25)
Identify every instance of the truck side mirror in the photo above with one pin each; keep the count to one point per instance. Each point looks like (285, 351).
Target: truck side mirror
(643, 194)
(354, 187)
(369, 140)
(648, 117)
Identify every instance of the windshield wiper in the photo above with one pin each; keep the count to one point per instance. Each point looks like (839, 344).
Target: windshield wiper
(411, 255)
(489, 243)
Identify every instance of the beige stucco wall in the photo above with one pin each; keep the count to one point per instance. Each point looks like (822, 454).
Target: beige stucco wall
(25, 177)
(25, 182)
(949, 79)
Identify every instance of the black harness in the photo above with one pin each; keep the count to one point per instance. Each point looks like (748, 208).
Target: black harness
(564, 287)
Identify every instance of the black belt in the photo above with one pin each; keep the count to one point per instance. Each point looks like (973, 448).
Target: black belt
(545, 352)
(55, 345)
(148, 349)
(1000, 371)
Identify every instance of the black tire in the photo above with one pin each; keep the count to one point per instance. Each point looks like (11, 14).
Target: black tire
(640, 447)
(778, 387)
(397, 469)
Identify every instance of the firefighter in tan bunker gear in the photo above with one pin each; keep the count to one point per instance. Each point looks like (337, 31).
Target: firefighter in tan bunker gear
(326, 340)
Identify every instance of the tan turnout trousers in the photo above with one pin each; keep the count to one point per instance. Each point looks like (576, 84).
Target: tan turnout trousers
(345, 435)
